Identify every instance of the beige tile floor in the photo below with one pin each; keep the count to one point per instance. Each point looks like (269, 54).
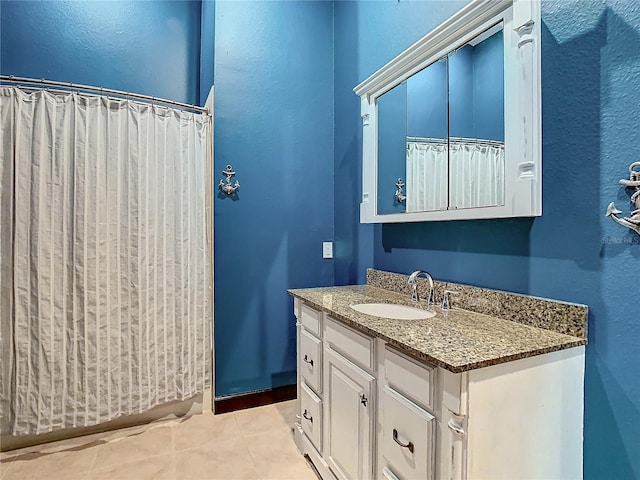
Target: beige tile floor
(251, 444)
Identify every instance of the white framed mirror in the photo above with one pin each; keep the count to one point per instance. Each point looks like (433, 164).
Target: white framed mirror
(452, 126)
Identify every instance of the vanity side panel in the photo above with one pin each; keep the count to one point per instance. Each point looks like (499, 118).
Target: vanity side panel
(297, 426)
(526, 418)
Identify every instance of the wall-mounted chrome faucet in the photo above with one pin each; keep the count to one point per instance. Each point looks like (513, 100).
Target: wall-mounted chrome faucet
(414, 287)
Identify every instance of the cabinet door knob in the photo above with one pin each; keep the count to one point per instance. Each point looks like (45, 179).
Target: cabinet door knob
(307, 416)
(408, 446)
(306, 360)
(363, 400)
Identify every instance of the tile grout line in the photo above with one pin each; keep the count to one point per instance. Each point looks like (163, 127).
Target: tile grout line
(173, 451)
(95, 457)
(137, 460)
(93, 462)
(244, 441)
(3, 471)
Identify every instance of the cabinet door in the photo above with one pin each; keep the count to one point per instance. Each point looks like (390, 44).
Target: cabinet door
(349, 403)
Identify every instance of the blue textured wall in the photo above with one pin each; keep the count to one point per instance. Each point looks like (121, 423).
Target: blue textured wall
(392, 147)
(143, 47)
(427, 112)
(274, 123)
(591, 73)
(476, 91)
(476, 94)
(207, 48)
(461, 93)
(488, 88)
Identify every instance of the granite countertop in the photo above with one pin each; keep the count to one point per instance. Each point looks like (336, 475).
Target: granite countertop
(457, 340)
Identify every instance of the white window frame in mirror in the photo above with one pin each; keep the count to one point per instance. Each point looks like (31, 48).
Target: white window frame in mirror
(523, 107)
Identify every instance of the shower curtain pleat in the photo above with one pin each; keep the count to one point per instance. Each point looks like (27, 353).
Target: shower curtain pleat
(7, 367)
(477, 174)
(104, 279)
(426, 183)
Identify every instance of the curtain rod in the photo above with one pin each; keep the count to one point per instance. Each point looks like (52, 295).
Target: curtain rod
(99, 90)
(495, 143)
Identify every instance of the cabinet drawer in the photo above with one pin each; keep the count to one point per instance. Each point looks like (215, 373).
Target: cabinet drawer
(407, 437)
(354, 345)
(310, 319)
(311, 360)
(409, 377)
(311, 416)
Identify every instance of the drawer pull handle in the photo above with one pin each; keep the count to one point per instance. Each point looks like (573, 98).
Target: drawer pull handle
(306, 360)
(403, 445)
(307, 416)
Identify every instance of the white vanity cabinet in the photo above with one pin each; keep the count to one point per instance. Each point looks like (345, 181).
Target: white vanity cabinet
(376, 413)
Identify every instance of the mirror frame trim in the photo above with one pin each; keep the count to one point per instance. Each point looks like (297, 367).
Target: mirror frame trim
(523, 117)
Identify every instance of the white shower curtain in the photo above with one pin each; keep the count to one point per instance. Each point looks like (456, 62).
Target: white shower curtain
(104, 282)
(426, 176)
(477, 174)
(469, 174)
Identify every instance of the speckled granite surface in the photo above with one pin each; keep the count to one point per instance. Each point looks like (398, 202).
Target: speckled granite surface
(561, 317)
(460, 341)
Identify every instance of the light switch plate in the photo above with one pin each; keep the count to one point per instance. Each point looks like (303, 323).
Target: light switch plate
(327, 249)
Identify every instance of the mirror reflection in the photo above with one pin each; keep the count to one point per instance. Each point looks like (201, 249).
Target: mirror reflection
(442, 132)
(426, 168)
(476, 122)
(392, 131)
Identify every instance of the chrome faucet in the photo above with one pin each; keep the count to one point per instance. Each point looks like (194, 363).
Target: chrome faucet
(414, 287)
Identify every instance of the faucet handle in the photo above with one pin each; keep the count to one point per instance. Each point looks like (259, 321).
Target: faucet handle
(446, 301)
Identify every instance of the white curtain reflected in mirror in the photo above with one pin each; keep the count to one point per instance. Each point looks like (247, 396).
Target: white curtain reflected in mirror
(427, 171)
(476, 122)
(477, 173)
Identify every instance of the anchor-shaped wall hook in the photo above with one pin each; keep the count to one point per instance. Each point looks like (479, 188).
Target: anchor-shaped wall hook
(632, 222)
(399, 196)
(225, 185)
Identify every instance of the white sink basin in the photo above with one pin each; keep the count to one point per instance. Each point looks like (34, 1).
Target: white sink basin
(390, 310)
